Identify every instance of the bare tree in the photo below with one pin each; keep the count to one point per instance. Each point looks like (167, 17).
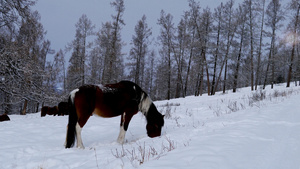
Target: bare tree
(192, 13)
(139, 50)
(59, 68)
(95, 66)
(203, 25)
(250, 4)
(13, 11)
(180, 50)
(218, 16)
(241, 31)
(115, 60)
(166, 38)
(76, 72)
(150, 74)
(103, 43)
(274, 16)
(258, 66)
(295, 6)
(230, 27)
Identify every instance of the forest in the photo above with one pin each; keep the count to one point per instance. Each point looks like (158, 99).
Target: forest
(253, 43)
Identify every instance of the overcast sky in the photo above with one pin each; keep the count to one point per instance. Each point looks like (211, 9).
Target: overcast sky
(60, 16)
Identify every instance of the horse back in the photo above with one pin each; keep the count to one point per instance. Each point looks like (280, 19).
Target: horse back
(106, 101)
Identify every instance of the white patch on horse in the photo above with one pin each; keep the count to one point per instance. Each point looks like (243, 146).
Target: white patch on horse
(100, 86)
(145, 104)
(121, 137)
(106, 89)
(123, 120)
(133, 87)
(122, 133)
(66, 137)
(72, 94)
(78, 135)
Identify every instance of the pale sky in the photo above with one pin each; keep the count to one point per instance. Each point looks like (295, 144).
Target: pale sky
(60, 16)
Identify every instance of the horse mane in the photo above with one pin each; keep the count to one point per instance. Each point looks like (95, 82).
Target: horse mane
(141, 97)
(145, 103)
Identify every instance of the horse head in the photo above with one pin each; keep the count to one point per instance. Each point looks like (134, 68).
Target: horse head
(154, 126)
(155, 120)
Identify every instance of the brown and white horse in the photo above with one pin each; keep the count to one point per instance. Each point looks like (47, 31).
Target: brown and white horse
(124, 98)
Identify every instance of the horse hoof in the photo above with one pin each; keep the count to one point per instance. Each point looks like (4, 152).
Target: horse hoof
(80, 147)
(120, 141)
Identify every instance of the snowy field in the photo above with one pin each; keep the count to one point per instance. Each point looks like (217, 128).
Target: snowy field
(243, 130)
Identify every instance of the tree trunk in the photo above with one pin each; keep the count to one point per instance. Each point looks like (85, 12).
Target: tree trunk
(201, 81)
(216, 59)
(230, 36)
(235, 79)
(37, 107)
(271, 53)
(189, 66)
(207, 74)
(225, 76)
(293, 49)
(252, 48)
(169, 75)
(24, 107)
(260, 46)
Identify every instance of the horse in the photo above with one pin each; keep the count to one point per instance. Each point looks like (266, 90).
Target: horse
(63, 108)
(124, 98)
(4, 117)
(49, 110)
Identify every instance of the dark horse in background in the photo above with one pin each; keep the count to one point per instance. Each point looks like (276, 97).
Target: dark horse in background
(49, 110)
(124, 98)
(60, 110)
(4, 117)
(63, 108)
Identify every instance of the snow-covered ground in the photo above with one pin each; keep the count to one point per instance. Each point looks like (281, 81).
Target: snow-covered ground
(243, 130)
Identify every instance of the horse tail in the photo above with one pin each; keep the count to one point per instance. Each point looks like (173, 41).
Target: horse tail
(73, 118)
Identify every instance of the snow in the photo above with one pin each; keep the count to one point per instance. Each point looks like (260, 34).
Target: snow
(227, 131)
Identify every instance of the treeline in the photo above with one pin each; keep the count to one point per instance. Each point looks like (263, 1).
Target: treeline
(254, 43)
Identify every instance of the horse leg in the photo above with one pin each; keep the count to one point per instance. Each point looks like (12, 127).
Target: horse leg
(65, 144)
(82, 119)
(125, 119)
(122, 130)
(78, 136)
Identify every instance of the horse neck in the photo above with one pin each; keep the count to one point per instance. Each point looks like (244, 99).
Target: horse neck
(145, 103)
(147, 107)
(152, 113)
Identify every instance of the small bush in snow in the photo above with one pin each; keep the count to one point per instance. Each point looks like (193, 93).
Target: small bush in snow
(141, 153)
(167, 109)
(216, 110)
(170, 145)
(233, 106)
(281, 94)
(257, 97)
